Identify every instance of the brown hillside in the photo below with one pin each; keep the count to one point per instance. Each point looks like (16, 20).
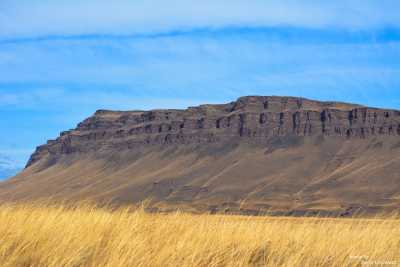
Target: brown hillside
(281, 154)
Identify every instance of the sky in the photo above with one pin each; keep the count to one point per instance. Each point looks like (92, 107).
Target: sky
(60, 61)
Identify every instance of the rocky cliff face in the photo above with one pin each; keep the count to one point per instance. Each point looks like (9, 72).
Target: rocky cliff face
(253, 117)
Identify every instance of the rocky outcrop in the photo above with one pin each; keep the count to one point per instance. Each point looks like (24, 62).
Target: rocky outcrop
(254, 118)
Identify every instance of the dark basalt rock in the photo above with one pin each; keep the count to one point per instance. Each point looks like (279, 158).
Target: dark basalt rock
(258, 118)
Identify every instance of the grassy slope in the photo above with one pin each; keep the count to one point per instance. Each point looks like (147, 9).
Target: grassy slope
(87, 236)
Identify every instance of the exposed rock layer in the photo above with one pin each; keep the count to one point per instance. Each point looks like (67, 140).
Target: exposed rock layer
(258, 118)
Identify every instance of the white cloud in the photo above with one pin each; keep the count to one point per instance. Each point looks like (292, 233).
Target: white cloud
(32, 18)
(13, 159)
(10, 166)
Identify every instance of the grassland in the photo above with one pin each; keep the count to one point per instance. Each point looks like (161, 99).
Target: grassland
(39, 235)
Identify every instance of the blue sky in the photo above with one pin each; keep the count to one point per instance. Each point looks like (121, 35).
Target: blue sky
(62, 60)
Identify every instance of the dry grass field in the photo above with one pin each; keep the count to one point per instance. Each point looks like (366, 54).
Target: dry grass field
(40, 235)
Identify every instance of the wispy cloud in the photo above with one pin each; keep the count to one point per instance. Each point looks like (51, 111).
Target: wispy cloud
(200, 67)
(11, 162)
(271, 33)
(34, 18)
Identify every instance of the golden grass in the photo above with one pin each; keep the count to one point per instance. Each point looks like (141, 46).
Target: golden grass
(89, 236)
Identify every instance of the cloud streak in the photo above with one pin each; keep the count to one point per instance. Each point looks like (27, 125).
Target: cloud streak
(10, 166)
(34, 18)
(276, 33)
(157, 66)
